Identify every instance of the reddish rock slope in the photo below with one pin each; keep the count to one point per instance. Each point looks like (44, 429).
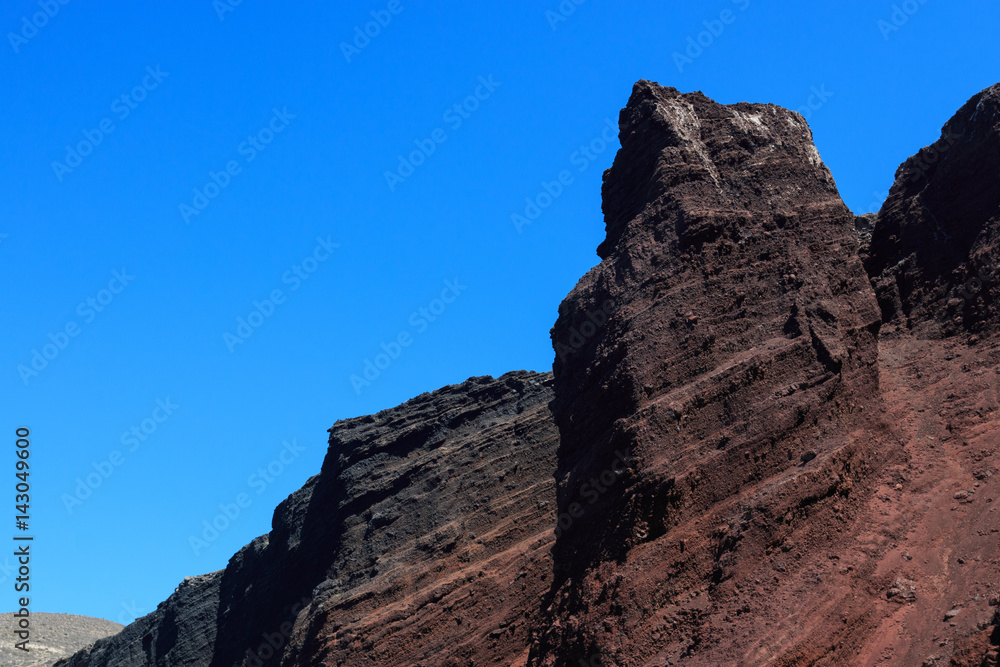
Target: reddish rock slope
(445, 530)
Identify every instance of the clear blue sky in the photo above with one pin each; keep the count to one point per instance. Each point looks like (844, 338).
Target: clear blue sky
(299, 137)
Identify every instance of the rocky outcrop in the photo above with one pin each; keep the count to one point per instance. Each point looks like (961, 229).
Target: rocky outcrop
(745, 468)
(445, 521)
(933, 263)
(736, 372)
(935, 255)
(181, 631)
(425, 537)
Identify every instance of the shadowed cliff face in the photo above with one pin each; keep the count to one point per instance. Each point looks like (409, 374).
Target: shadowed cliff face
(446, 523)
(935, 259)
(181, 631)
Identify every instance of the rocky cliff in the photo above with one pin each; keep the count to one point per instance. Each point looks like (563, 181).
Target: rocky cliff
(935, 259)
(424, 539)
(798, 491)
(769, 438)
(738, 372)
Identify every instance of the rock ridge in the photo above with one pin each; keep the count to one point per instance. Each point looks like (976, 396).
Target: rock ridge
(769, 438)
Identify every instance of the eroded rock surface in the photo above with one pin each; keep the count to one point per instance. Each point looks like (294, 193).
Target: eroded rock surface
(739, 373)
(935, 251)
(425, 537)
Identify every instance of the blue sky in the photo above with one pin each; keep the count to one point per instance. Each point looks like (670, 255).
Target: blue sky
(201, 243)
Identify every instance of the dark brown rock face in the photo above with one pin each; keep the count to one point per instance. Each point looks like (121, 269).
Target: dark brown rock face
(425, 537)
(445, 522)
(736, 373)
(935, 257)
(747, 474)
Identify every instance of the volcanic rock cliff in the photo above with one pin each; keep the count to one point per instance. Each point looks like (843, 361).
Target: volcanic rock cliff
(738, 371)
(935, 251)
(769, 438)
(424, 539)
(797, 491)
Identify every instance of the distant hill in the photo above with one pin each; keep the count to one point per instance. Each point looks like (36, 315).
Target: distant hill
(53, 636)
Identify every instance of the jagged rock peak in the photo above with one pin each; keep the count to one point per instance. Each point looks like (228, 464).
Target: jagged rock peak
(726, 340)
(686, 149)
(935, 253)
